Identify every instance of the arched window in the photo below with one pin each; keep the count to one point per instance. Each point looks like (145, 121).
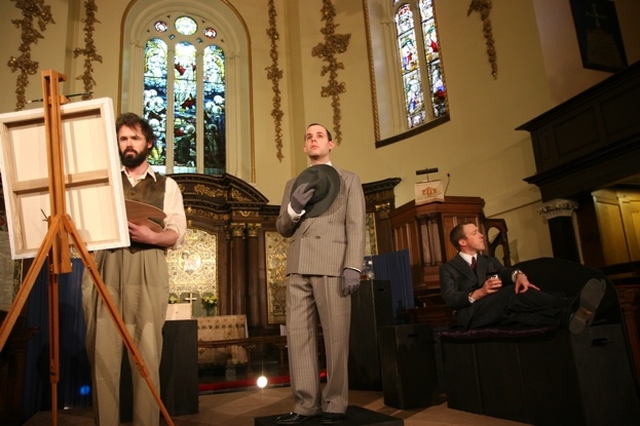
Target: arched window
(186, 71)
(408, 74)
(417, 33)
(180, 85)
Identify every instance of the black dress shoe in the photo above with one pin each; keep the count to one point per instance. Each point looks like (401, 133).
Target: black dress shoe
(589, 300)
(332, 418)
(293, 419)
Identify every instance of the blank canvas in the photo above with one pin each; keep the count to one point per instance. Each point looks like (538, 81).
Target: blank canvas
(94, 195)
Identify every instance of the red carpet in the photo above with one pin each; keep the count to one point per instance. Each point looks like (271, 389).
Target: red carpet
(246, 383)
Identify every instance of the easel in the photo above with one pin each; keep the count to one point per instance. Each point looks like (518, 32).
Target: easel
(56, 246)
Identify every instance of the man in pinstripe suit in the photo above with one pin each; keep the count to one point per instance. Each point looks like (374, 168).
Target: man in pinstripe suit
(326, 225)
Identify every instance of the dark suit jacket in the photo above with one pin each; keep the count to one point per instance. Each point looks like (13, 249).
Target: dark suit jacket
(457, 280)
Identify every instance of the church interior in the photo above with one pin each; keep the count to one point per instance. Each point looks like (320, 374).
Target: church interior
(519, 116)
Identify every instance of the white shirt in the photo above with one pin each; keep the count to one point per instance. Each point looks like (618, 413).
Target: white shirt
(467, 257)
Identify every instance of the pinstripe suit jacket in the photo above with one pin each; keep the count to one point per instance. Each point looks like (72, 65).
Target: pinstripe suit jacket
(334, 240)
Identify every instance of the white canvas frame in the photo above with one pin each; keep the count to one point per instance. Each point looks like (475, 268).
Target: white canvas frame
(94, 195)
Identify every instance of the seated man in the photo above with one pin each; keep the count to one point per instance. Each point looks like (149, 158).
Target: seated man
(484, 293)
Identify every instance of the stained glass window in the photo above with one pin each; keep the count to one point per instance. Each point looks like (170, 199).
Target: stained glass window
(214, 102)
(210, 32)
(424, 89)
(155, 97)
(184, 108)
(185, 104)
(431, 45)
(161, 26)
(186, 25)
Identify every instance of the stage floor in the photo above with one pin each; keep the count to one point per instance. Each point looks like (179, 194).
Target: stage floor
(241, 408)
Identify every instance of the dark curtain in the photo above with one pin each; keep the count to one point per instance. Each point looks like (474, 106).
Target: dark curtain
(74, 385)
(396, 268)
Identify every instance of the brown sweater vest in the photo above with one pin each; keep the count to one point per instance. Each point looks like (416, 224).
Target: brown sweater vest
(148, 191)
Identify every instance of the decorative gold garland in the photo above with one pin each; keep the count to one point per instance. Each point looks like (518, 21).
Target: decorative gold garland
(31, 10)
(333, 43)
(483, 7)
(275, 74)
(89, 51)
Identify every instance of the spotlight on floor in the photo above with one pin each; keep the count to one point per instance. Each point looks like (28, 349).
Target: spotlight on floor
(262, 382)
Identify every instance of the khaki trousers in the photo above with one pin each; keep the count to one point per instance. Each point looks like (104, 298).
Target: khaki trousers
(138, 283)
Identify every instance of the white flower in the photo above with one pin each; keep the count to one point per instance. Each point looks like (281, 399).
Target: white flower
(209, 300)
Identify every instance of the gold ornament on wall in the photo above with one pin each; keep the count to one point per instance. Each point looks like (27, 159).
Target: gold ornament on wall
(90, 53)
(333, 44)
(274, 73)
(483, 7)
(194, 267)
(32, 10)
(276, 248)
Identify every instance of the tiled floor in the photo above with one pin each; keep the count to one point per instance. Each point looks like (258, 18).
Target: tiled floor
(240, 408)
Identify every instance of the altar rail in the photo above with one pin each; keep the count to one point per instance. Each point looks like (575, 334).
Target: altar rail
(249, 344)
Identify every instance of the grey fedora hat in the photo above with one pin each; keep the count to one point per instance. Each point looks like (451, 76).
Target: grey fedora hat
(325, 180)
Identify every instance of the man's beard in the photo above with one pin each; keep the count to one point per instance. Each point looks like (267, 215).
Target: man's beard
(136, 160)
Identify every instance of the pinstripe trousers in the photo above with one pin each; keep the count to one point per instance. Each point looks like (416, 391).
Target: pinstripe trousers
(311, 298)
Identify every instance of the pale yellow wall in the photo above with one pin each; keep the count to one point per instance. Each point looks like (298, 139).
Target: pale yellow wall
(49, 52)
(478, 148)
(561, 52)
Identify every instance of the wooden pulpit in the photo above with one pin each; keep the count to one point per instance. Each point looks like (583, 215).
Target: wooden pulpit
(424, 231)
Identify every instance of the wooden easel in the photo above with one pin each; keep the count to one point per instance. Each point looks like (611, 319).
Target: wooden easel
(56, 246)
